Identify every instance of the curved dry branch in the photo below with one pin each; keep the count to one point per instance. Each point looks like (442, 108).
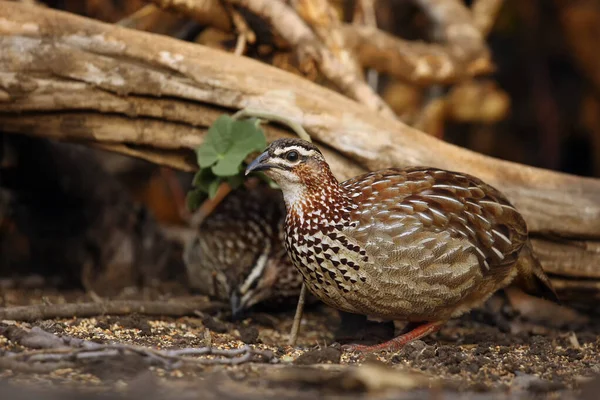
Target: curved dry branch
(415, 62)
(65, 76)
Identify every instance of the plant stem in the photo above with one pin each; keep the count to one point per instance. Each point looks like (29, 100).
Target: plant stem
(268, 116)
(209, 205)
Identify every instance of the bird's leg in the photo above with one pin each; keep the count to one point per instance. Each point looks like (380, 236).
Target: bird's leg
(398, 342)
(298, 316)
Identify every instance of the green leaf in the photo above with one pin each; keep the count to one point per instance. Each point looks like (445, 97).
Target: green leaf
(227, 167)
(228, 143)
(215, 143)
(221, 157)
(246, 137)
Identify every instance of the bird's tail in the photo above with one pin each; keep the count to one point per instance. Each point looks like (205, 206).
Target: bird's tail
(531, 277)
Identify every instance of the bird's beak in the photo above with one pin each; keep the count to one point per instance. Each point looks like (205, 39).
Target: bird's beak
(259, 164)
(236, 306)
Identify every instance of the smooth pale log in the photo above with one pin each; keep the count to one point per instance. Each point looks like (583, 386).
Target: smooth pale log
(68, 77)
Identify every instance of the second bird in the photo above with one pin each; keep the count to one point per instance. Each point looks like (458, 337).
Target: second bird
(238, 255)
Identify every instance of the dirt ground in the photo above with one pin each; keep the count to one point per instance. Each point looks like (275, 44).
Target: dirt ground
(490, 353)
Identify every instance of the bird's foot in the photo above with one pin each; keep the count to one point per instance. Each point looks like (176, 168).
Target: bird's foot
(398, 342)
(361, 348)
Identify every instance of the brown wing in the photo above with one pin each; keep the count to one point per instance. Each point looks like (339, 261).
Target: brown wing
(395, 203)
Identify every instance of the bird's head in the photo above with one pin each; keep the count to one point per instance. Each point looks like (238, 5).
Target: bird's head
(296, 165)
(254, 287)
(243, 277)
(237, 253)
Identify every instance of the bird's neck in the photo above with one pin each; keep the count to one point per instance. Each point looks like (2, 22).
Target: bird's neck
(317, 202)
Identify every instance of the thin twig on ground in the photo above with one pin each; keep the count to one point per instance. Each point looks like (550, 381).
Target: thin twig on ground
(109, 307)
(241, 25)
(57, 351)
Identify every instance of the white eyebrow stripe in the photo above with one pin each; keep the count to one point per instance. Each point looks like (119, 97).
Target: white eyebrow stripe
(257, 271)
(303, 151)
(279, 161)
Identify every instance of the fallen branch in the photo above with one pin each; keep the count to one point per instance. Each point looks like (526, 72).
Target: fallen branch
(57, 82)
(109, 307)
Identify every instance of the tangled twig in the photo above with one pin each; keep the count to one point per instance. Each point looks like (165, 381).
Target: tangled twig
(294, 30)
(54, 352)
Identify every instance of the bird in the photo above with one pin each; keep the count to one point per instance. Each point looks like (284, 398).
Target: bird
(237, 254)
(416, 244)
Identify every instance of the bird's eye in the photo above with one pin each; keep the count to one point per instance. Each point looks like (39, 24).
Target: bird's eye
(292, 156)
